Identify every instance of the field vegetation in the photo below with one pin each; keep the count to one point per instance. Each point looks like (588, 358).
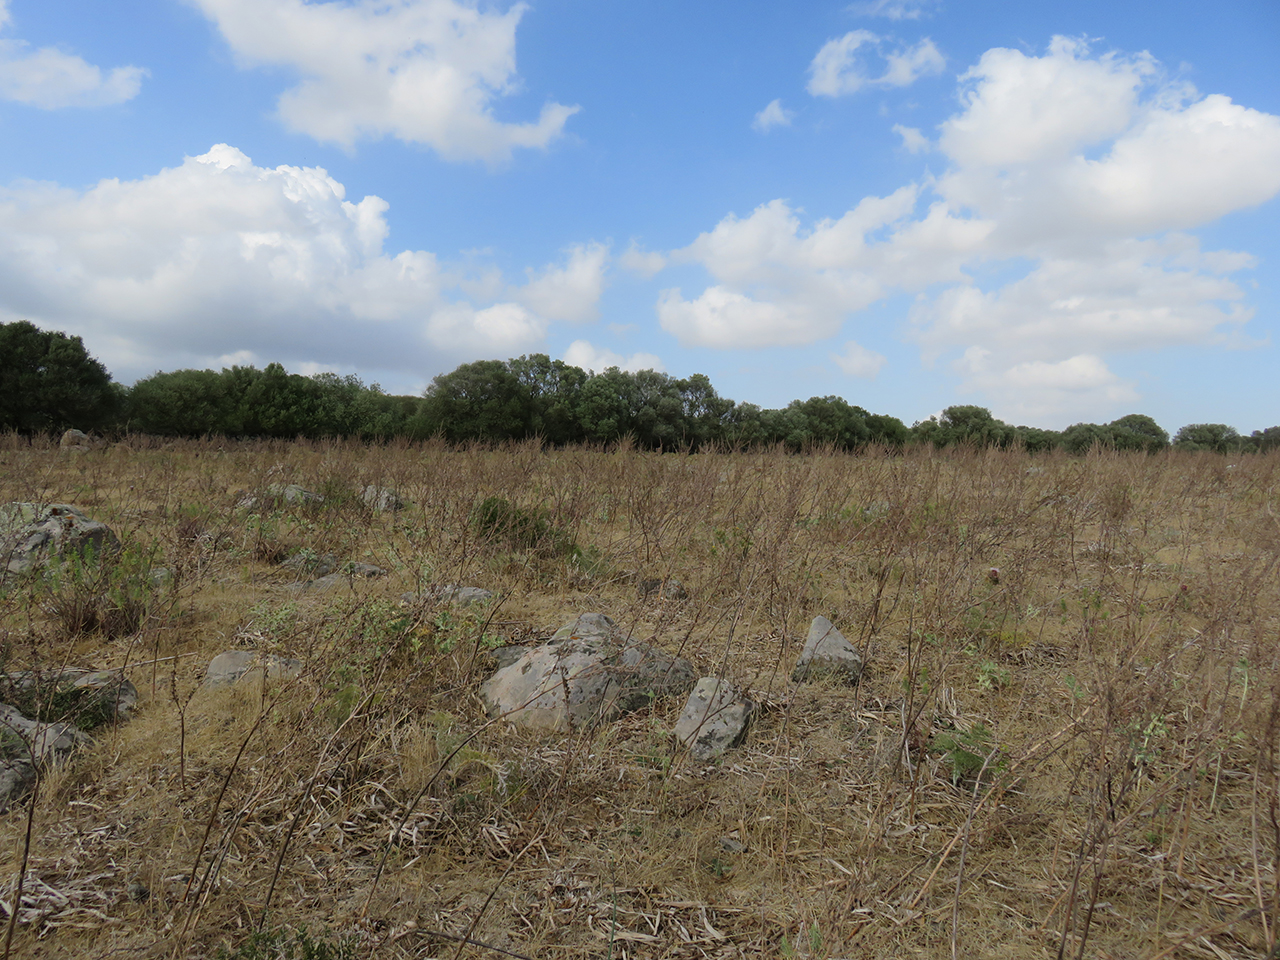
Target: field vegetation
(1064, 744)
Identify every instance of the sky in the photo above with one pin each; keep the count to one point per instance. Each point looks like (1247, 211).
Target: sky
(1063, 212)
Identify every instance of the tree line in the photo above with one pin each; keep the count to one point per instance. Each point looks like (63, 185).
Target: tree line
(49, 383)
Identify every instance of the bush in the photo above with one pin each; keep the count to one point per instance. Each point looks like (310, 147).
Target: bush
(497, 519)
(111, 592)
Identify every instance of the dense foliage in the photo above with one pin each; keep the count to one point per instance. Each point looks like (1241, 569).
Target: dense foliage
(48, 383)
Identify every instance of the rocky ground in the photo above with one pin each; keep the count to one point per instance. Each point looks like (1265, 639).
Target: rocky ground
(398, 701)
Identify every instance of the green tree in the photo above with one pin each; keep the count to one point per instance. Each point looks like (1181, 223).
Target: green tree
(185, 403)
(1217, 437)
(1037, 440)
(964, 424)
(480, 400)
(49, 383)
(1139, 432)
(1264, 440)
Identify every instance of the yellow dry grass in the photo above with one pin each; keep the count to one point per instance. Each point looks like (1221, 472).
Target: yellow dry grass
(1108, 625)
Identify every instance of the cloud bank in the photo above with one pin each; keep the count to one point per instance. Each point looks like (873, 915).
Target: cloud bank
(218, 258)
(1077, 175)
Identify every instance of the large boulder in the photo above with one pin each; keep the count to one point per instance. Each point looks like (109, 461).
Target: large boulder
(590, 672)
(32, 534)
(714, 719)
(827, 653)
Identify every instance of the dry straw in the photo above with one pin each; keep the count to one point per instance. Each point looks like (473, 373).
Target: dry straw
(1074, 756)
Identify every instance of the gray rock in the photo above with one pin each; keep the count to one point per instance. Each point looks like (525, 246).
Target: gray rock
(32, 534)
(235, 666)
(76, 441)
(334, 581)
(26, 745)
(827, 653)
(381, 499)
(589, 673)
(451, 593)
(280, 493)
(506, 656)
(307, 562)
(669, 589)
(714, 719)
(91, 697)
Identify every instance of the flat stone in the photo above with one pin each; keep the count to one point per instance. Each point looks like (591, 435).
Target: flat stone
(827, 653)
(589, 673)
(715, 719)
(236, 665)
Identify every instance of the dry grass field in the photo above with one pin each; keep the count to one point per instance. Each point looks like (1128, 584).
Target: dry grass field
(1064, 745)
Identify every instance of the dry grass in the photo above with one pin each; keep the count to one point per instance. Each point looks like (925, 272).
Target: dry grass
(1122, 657)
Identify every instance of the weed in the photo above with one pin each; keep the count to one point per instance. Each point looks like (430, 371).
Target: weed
(970, 754)
(498, 520)
(112, 592)
(286, 944)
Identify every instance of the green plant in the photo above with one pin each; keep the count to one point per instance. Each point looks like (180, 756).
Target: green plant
(970, 754)
(992, 676)
(112, 591)
(296, 944)
(499, 520)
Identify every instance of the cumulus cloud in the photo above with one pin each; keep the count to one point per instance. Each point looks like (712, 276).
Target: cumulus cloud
(424, 71)
(571, 292)
(836, 70)
(50, 78)
(218, 257)
(779, 283)
(1073, 177)
(858, 361)
(598, 359)
(772, 116)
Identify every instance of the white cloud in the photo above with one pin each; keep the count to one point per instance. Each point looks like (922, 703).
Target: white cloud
(424, 71)
(892, 9)
(218, 257)
(772, 116)
(644, 262)
(778, 283)
(50, 78)
(836, 70)
(598, 359)
(905, 67)
(1071, 177)
(571, 292)
(913, 141)
(858, 361)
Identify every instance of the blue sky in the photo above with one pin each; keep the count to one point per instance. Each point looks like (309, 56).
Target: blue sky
(1061, 211)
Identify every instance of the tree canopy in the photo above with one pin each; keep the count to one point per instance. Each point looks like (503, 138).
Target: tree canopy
(49, 383)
